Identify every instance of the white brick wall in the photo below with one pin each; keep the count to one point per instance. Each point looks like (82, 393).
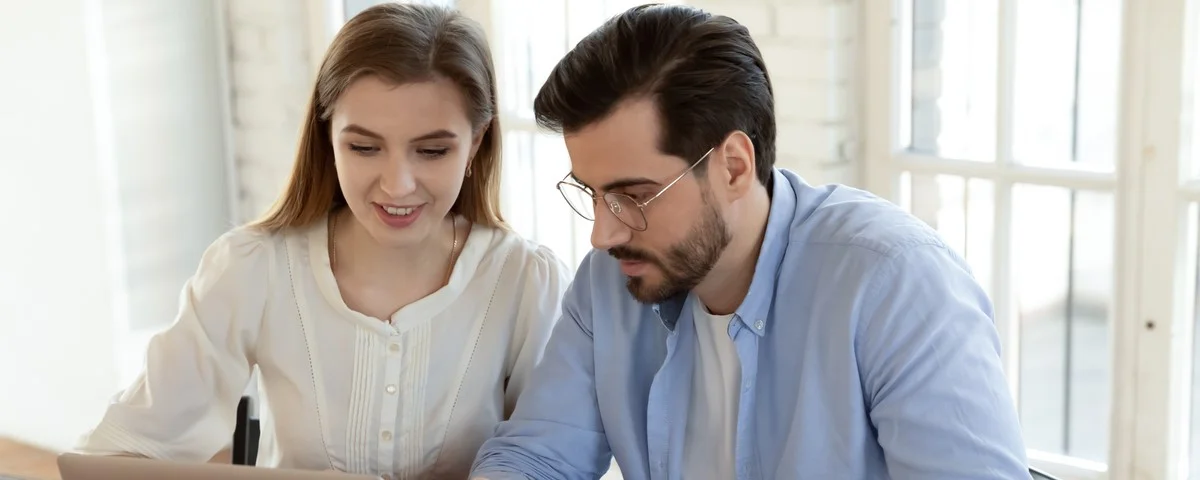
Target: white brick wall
(271, 80)
(809, 47)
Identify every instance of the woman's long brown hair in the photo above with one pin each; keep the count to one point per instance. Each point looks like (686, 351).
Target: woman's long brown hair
(400, 43)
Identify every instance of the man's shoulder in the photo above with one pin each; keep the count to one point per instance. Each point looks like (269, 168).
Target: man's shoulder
(839, 215)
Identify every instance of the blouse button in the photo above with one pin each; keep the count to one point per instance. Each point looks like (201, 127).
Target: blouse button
(386, 435)
(395, 347)
(391, 389)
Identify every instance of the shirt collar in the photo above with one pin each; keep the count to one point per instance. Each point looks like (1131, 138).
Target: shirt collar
(754, 308)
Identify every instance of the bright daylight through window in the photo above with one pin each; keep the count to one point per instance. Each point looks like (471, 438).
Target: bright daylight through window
(1053, 144)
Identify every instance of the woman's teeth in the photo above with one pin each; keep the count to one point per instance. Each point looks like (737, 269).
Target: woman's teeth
(399, 211)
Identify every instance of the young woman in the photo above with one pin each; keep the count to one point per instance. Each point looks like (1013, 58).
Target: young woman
(392, 316)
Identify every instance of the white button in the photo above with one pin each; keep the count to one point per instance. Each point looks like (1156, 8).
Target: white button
(759, 325)
(386, 435)
(391, 389)
(395, 347)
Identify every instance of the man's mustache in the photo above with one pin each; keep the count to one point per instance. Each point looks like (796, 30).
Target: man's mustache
(623, 252)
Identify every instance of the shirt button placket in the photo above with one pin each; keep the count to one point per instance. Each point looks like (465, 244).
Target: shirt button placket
(387, 421)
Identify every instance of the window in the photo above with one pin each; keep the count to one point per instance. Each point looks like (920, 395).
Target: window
(1052, 167)
(1043, 140)
(534, 159)
(350, 8)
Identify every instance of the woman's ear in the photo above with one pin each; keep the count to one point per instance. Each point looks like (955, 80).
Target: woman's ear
(476, 141)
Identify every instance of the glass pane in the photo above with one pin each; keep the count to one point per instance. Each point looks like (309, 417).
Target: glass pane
(962, 211)
(980, 218)
(534, 163)
(1065, 83)
(517, 188)
(526, 55)
(953, 68)
(1062, 265)
(1193, 259)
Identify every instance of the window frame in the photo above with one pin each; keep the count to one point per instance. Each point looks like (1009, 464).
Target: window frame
(1151, 337)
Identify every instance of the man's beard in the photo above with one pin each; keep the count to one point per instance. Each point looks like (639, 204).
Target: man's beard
(686, 263)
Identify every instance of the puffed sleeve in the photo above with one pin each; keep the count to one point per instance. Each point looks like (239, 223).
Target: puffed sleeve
(183, 405)
(545, 281)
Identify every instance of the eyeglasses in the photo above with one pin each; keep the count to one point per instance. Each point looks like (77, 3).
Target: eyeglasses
(628, 210)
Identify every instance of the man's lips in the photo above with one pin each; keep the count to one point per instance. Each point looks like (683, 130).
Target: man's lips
(634, 268)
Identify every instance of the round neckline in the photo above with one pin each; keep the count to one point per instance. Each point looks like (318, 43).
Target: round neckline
(422, 309)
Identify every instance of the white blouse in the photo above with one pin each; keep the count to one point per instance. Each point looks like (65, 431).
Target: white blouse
(339, 390)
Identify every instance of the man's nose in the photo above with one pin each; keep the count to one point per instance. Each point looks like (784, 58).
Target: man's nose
(607, 230)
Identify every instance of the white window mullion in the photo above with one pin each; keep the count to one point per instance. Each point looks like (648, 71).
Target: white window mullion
(1008, 172)
(1124, 416)
(1007, 324)
(881, 53)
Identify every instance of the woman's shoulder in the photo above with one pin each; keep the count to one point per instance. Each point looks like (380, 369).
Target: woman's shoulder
(243, 241)
(251, 239)
(244, 251)
(530, 256)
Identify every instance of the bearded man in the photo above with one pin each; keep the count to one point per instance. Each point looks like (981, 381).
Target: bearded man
(735, 321)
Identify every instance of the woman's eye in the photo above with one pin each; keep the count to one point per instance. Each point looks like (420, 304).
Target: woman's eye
(363, 149)
(433, 152)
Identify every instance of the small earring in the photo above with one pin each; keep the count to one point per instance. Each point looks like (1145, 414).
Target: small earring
(468, 171)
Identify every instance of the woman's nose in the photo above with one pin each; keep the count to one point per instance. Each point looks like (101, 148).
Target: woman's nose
(398, 180)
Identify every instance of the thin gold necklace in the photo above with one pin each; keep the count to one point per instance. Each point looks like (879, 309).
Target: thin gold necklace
(453, 245)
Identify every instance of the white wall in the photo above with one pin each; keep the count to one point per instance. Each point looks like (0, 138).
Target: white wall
(112, 183)
(273, 63)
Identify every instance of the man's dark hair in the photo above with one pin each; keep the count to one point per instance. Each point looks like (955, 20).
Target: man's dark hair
(703, 72)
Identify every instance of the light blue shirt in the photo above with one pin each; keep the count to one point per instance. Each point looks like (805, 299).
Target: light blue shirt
(867, 351)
